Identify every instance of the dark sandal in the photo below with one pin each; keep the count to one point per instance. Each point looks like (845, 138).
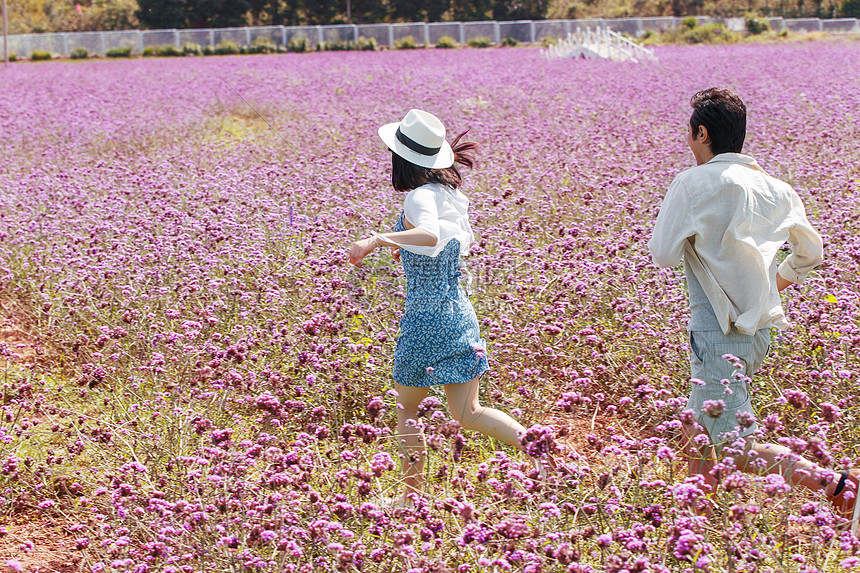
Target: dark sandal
(842, 480)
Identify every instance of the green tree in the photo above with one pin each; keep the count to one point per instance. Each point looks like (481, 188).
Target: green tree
(36, 16)
(192, 13)
(416, 10)
(520, 9)
(469, 10)
(114, 15)
(162, 14)
(33, 16)
(309, 12)
(370, 11)
(682, 8)
(280, 12)
(850, 9)
(817, 4)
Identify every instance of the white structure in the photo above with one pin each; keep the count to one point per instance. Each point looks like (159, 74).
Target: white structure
(599, 43)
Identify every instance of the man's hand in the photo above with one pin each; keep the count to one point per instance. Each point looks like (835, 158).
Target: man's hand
(781, 283)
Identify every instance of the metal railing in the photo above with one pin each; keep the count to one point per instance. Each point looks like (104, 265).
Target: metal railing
(598, 43)
(636, 51)
(523, 31)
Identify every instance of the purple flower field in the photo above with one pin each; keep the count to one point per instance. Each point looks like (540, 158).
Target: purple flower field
(213, 388)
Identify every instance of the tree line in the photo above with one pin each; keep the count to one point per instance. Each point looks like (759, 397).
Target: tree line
(33, 16)
(224, 13)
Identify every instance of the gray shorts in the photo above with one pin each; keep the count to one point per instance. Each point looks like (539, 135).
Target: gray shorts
(723, 381)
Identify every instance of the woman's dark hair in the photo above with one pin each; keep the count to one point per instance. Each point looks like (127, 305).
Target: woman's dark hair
(724, 115)
(406, 176)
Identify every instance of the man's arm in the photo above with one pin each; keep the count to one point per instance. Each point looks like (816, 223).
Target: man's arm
(672, 227)
(807, 250)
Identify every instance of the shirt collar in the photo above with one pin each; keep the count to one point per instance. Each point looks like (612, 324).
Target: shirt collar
(734, 158)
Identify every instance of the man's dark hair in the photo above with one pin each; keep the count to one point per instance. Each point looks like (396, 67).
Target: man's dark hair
(406, 176)
(724, 115)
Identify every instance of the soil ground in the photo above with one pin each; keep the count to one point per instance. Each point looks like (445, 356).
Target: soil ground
(14, 334)
(30, 542)
(38, 544)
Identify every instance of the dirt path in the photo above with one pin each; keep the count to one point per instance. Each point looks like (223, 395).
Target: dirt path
(33, 543)
(14, 334)
(30, 542)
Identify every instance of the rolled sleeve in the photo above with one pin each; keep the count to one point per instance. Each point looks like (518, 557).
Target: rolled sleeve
(807, 251)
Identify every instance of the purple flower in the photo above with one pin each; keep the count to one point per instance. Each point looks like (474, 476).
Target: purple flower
(713, 408)
(745, 419)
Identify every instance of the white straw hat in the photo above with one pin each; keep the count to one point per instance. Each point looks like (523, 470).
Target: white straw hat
(419, 139)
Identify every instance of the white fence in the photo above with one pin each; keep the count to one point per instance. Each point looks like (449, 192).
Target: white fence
(523, 31)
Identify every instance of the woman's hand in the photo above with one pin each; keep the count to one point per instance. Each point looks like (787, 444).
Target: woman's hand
(414, 236)
(361, 249)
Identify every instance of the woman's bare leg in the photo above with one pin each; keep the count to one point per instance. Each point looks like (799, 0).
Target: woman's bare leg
(410, 440)
(465, 408)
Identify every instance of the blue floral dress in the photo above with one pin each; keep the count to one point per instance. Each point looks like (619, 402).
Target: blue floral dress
(439, 339)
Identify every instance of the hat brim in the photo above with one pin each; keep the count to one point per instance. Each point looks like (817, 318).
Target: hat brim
(442, 160)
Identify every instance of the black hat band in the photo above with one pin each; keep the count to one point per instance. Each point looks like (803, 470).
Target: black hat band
(414, 145)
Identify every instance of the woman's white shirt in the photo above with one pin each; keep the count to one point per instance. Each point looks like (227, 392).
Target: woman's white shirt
(442, 212)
